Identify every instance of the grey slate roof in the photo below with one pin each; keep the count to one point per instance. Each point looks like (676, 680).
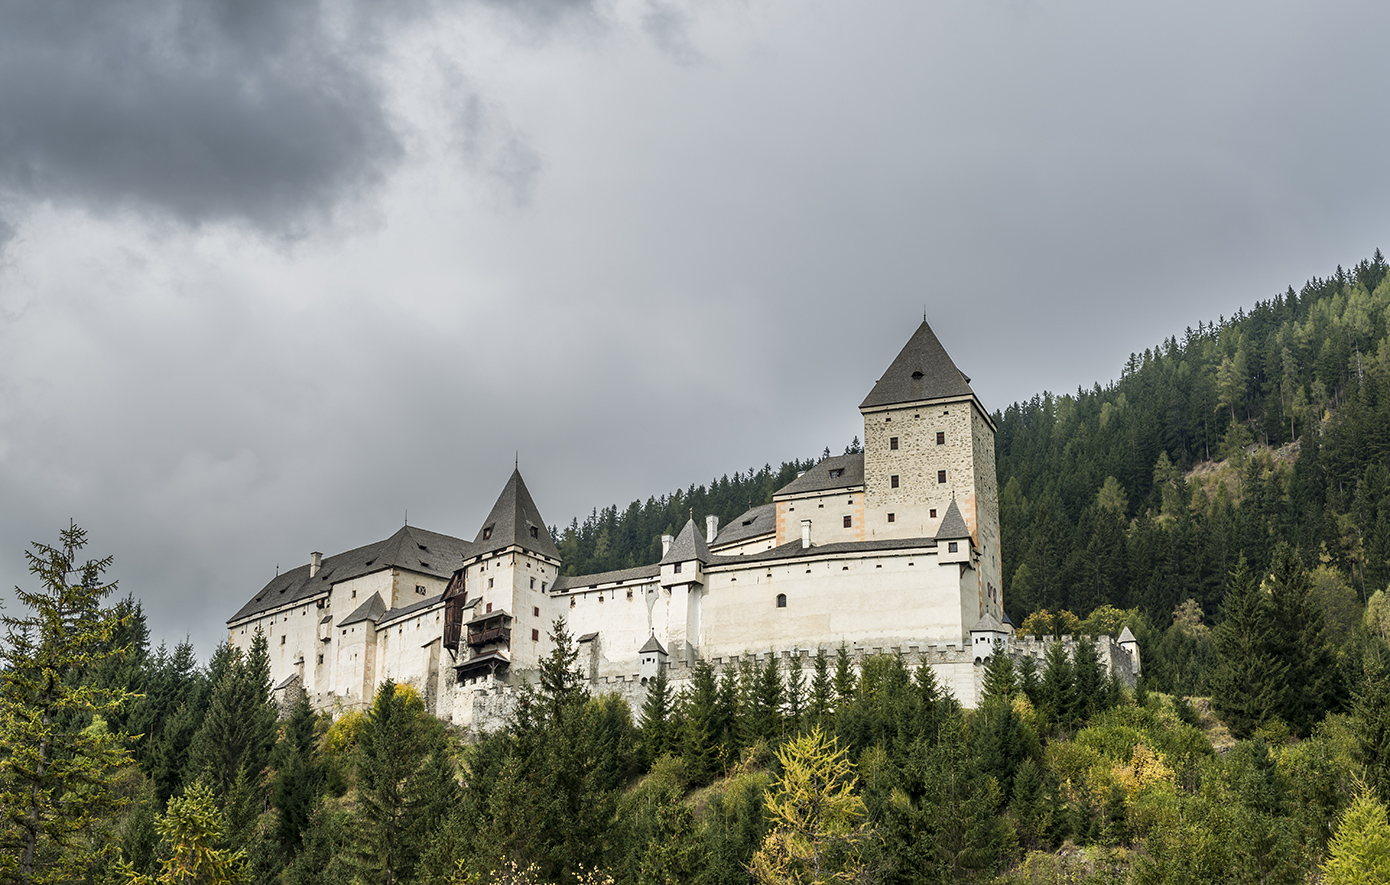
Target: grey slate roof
(989, 624)
(583, 582)
(411, 609)
(794, 550)
(1126, 636)
(371, 610)
(487, 616)
(922, 371)
(689, 544)
(652, 645)
(511, 520)
(820, 478)
(410, 548)
(952, 524)
(760, 520)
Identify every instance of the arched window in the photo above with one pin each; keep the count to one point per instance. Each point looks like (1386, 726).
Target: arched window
(781, 600)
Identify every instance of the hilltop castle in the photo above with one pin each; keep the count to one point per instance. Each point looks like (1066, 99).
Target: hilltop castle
(895, 549)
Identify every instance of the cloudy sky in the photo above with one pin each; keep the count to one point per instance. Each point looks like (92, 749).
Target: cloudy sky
(274, 274)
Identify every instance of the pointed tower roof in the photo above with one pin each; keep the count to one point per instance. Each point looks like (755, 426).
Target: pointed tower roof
(689, 544)
(514, 519)
(652, 645)
(952, 524)
(922, 371)
(1126, 636)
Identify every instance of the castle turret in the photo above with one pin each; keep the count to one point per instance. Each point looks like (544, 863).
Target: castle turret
(683, 577)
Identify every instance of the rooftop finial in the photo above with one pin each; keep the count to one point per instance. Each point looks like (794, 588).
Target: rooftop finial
(407, 516)
(516, 460)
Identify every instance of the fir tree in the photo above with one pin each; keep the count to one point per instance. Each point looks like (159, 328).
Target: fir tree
(999, 674)
(298, 779)
(795, 694)
(821, 703)
(655, 723)
(844, 677)
(1300, 641)
(60, 762)
(1249, 685)
(238, 730)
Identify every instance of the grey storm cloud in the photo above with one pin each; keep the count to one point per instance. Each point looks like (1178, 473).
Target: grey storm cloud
(252, 111)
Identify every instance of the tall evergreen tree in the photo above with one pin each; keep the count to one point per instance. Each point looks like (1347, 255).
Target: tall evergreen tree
(656, 719)
(238, 729)
(1249, 686)
(59, 763)
(1313, 684)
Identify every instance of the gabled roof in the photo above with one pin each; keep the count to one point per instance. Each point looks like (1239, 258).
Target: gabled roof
(835, 472)
(371, 610)
(952, 524)
(922, 371)
(652, 645)
(511, 520)
(1126, 636)
(411, 548)
(760, 520)
(689, 544)
(407, 610)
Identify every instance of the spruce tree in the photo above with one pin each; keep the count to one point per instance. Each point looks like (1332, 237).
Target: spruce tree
(238, 729)
(999, 674)
(1249, 685)
(298, 778)
(60, 762)
(1300, 640)
(1089, 677)
(844, 677)
(821, 692)
(700, 727)
(1057, 691)
(655, 722)
(796, 695)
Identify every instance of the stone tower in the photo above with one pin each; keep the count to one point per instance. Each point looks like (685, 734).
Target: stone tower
(929, 450)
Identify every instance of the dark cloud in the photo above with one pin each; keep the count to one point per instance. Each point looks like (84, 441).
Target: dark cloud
(258, 112)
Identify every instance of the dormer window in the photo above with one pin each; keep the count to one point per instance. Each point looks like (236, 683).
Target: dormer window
(535, 532)
(487, 533)
(837, 472)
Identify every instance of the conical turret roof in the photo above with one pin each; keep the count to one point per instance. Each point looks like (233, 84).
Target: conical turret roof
(689, 544)
(922, 371)
(952, 524)
(514, 519)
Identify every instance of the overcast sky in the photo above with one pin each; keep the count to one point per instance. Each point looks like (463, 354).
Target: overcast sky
(272, 274)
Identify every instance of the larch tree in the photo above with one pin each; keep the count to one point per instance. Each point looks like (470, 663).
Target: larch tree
(58, 760)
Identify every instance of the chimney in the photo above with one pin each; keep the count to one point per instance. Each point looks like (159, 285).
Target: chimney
(805, 533)
(666, 544)
(315, 563)
(711, 528)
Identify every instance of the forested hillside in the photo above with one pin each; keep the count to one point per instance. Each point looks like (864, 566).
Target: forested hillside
(1096, 505)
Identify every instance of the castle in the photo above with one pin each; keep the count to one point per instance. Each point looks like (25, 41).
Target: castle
(892, 550)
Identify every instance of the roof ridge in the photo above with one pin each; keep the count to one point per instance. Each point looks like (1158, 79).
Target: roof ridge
(922, 370)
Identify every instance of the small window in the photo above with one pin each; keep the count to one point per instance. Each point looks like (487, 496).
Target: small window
(849, 521)
(892, 517)
(893, 481)
(533, 583)
(940, 476)
(893, 443)
(837, 472)
(941, 437)
(629, 594)
(487, 533)
(489, 609)
(489, 583)
(933, 513)
(535, 532)
(282, 639)
(543, 583)
(678, 568)
(420, 589)
(535, 635)
(320, 659)
(781, 600)
(951, 546)
(535, 611)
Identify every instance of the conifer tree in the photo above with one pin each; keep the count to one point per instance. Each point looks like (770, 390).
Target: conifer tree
(655, 723)
(700, 728)
(999, 674)
(397, 743)
(59, 764)
(238, 730)
(1249, 685)
(298, 779)
(1057, 691)
(796, 695)
(1359, 853)
(1300, 641)
(844, 677)
(821, 703)
(1088, 675)
(192, 830)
